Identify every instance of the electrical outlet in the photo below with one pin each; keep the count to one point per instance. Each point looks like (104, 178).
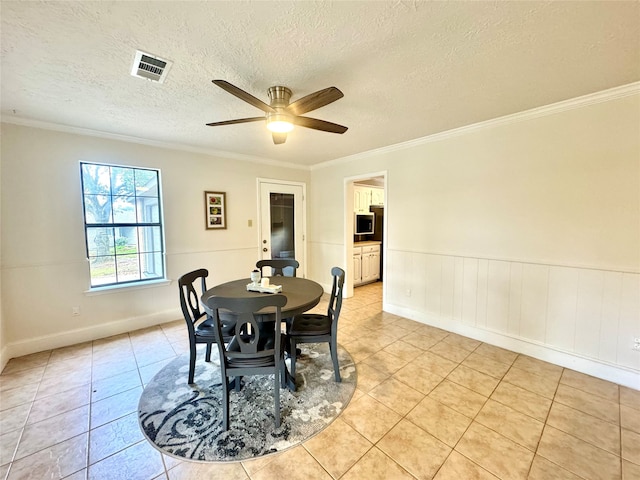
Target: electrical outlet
(75, 311)
(636, 344)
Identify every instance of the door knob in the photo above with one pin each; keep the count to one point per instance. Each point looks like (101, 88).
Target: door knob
(264, 249)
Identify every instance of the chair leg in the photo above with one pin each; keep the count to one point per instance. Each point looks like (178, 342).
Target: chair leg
(292, 355)
(333, 346)
(225, 404)
(192, 361)
(276, 398)
(207, 356)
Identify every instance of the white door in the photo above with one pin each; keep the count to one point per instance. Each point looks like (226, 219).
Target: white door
(282, 222)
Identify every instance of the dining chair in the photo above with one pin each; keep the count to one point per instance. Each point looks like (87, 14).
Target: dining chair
(199, 324)
(253, 350)
(278, 265)
(318, 328)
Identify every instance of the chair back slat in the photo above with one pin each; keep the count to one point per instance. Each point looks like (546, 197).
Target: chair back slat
(248, 334)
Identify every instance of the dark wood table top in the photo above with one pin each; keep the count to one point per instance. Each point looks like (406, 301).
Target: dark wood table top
(302, 294)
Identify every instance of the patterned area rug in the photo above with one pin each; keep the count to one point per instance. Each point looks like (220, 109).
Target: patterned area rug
(185, 421)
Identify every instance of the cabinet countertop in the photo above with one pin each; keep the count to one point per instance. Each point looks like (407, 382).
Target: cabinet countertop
(367, 243)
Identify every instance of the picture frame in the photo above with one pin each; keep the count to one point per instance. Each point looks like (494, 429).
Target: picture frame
(215, 210)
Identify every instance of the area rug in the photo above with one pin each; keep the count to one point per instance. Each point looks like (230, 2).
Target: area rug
(185, 421)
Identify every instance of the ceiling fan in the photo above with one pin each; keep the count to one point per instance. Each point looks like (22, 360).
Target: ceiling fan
(281, 116)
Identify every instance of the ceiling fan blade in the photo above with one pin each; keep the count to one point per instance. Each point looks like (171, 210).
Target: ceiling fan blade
(242, 95)
(279, 138)
(315, 100)
(319, 124)
(232, 122)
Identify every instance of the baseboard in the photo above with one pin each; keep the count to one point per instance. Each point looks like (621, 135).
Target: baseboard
(613, 373)
(86, 334)
(4, 357)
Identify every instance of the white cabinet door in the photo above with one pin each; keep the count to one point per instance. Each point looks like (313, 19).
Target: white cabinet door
(357, 268)
(374, 267)
(361, 199)
(357, 200)
(366, 267)
(377, 196)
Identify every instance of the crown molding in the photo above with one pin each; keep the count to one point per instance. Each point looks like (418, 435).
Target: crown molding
(546, 110)
(143, 141)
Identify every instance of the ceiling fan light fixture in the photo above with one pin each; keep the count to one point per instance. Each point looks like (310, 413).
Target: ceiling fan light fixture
(279, 122)
(281, 115)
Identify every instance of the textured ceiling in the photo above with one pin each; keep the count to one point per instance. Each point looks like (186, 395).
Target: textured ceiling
(407, 69)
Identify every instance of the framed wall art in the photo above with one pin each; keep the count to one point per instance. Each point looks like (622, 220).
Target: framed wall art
(215, 208)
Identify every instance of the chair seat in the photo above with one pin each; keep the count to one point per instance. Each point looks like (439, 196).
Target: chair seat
(266, 342)
(208, 330)
(251, 362)
(310, 325)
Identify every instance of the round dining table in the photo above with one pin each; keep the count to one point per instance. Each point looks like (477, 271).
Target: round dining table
(302, 294)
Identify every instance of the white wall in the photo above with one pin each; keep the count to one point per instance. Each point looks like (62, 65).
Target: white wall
(523, 232)
(44, 267)
(3, 336)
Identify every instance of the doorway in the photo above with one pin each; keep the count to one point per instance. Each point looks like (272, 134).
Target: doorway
(365, 250)
(282, 221)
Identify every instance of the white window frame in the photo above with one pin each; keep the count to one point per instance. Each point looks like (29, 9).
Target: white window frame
(147, 278)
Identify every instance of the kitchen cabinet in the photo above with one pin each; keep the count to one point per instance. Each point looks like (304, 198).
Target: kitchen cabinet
(365, 196)
(361, 199)
(370, 263)
(377, 196)
(366, 263)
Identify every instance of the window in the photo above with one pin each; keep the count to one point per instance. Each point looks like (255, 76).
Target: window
(122, 223)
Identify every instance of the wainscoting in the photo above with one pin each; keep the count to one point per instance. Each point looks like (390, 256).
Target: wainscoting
(586, 318)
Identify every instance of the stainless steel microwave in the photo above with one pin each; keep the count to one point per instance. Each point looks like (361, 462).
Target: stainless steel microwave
(364, 223)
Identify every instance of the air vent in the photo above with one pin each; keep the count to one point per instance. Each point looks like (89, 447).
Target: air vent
(151, 67)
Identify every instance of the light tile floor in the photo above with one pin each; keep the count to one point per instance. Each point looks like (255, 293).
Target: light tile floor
(429, 404)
